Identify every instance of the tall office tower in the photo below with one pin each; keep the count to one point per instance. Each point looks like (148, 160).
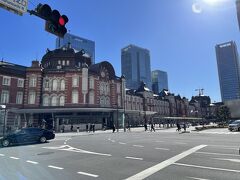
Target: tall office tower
(238, 12)
(78, 44)
(136, 66)
(159, 81)
(228, 70)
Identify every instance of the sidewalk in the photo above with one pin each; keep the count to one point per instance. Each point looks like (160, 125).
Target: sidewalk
(137, 129)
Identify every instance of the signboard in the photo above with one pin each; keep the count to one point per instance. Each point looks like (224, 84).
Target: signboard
(16, 6)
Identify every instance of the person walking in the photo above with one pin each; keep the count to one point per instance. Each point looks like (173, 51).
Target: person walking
(114, 128)
(184, 127)
(145, 126)
(86, 127)
(72, 128)
(152, 127)
(93, 127)
(178, 127)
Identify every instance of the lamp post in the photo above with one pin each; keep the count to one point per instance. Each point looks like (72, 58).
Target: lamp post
(4, 117)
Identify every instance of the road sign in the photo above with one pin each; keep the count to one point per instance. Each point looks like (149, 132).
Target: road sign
(17, 6)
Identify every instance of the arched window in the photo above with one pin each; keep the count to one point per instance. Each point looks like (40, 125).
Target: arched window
(107, 101)
(61, 100)
(54, 101)
(91, 97)
(54, 85)
(45, 101)
(62, 86)
(75, 96)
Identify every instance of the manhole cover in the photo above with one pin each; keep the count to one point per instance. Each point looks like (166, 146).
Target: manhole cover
(45, 153)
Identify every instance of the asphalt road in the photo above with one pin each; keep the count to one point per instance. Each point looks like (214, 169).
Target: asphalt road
(160, 155)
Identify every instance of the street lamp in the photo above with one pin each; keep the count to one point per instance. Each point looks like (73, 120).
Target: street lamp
(4, 117)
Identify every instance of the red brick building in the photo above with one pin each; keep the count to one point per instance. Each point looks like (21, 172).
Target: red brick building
(64, 88)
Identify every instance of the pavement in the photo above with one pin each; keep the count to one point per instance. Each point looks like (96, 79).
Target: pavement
(164, 154)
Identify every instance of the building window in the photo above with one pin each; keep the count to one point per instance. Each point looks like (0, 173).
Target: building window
(62, 85)
(119, 101)
(46, 84)
(67, 62)
(75, 81)
(32, 81)
(118, 88)
(20, 83)
(5, 97)
(61, 100)
(63, 63)
(6, 81)
(31, 97)
(54, 101)
(45, 101)
(91, 84)
(19, 98)
(74, 97)
(91, 98)
(54, 85)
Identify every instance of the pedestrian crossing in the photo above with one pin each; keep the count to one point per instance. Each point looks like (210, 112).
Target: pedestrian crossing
(217, 132)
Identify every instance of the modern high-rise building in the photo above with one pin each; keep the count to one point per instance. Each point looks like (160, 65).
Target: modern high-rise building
(78, 44)
(228, 70)
(159, 81)
(136, 66)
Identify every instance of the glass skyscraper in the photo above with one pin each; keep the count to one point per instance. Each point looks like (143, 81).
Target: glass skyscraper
(136, 66)
(78, 44)
(159, 81)
(228, 70)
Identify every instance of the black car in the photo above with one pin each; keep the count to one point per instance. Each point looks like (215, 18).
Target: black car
(27, 135)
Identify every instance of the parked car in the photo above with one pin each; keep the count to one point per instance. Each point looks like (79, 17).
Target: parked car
(234, 126)
(26, 136)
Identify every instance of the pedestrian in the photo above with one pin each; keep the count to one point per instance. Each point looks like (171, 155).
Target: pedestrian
(145, 126)
(93, 127)
(86, 127)
(77, 129)
(178, 127)
(63, 128)
(184, 127)
(72, 128)
(152, 127)
(114, 128)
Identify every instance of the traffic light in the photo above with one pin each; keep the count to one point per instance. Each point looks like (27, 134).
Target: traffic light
(55, 22)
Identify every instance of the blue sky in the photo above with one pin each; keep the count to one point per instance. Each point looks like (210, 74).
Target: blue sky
(181, 41)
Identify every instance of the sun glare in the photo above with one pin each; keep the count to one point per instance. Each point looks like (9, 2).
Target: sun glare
(212, 2)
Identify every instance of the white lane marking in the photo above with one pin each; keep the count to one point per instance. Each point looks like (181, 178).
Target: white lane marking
(138, 146)
(165, 149)
(32, 162)
(180, 143)
(72, 149)
(209, 153)
(148, 172)
(122, 143)
(55, 167)
(13, 157)
(88, 174)
(205, 167)
(32, 146)
(159, 141)
(2, 155)
(224, 146)
(232, 160)
(197, 178)
(128, 157)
